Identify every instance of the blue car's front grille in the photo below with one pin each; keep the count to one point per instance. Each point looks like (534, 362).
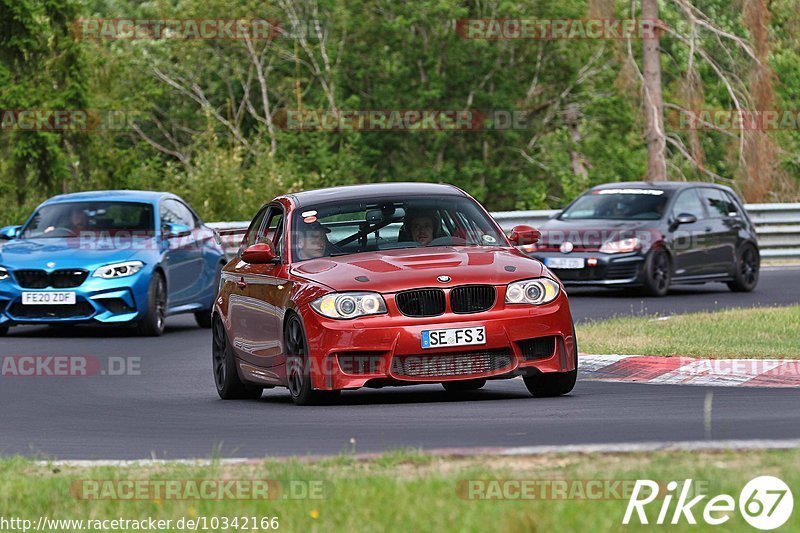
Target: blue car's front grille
(58, 279)
(81, 309)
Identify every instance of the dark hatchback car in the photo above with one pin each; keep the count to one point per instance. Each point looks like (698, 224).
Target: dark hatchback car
(652, 235)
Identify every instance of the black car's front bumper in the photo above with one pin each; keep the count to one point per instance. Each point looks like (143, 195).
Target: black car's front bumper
(598, 269)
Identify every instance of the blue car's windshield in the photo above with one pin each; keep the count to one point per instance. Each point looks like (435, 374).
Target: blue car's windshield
(72, 219)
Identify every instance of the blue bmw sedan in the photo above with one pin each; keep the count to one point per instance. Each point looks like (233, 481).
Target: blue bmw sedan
(110, 257)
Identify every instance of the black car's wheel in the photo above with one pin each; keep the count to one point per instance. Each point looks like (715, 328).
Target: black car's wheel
(745, 276)
(226, 378)
(657, 273)
(298, 369)
(203, 318)
(152, 324)
(463, 386)
(543, 385)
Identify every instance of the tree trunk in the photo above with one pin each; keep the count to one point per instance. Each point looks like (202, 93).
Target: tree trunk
(653, 100)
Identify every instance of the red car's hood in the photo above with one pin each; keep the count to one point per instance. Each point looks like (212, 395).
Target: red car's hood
(395, 270)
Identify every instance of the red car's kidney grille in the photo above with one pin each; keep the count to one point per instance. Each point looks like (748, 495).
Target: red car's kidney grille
(472, 298)
(421, 302)
(446, 365)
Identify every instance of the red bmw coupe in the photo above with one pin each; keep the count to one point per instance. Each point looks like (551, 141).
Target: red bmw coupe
(387, 284)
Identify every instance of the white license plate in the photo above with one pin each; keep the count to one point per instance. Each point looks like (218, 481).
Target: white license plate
(439, 338)
(48, 298)
(564, 262)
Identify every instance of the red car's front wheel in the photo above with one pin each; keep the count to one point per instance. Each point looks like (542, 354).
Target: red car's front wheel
(298, 368)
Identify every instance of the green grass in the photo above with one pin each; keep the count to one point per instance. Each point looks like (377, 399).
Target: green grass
(404, 490)
(765, 332)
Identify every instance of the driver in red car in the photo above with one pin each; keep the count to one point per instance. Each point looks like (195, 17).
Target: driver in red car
(312, 241)
(422, 226)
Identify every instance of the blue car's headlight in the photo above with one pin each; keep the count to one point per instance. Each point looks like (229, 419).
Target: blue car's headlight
(118, 270)
(3, 274)
(532, 291)
(349, 304)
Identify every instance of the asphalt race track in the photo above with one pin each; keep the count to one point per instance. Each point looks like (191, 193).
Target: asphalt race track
(171, 410)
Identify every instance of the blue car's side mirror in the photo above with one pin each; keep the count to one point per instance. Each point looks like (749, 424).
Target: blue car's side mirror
(8, 233)
(171, 231)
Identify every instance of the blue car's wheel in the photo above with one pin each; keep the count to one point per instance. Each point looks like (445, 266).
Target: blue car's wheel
(152, 324)
(3, 330)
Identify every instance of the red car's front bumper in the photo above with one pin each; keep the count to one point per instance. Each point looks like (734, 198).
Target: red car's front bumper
(387, 349)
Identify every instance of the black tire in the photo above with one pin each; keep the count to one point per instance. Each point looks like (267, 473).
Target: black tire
(746, 269)
(545, 385)
(463, 386)
(298, 370)
(657, 273)
(3, 331)
(152, 324)
(203, 318)
(226, 377)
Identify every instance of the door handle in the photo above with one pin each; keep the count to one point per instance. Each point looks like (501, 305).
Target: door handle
(708, 230)
(242, 284)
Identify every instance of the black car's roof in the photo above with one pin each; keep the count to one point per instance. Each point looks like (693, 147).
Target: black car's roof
(663, 185)
(372, 190)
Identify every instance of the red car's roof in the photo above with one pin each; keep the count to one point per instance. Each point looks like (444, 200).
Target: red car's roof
(372, 190)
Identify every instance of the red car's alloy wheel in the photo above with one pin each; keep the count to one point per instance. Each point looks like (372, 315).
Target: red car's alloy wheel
(298, 371)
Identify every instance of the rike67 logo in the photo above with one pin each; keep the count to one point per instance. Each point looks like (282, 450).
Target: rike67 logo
(765, 503)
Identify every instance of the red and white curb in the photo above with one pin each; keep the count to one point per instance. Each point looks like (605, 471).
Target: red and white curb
(690, 370)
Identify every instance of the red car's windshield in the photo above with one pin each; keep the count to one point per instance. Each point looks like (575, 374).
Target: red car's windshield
(360, 226)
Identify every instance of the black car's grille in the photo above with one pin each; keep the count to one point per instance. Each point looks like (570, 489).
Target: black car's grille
(448, 365)
(539, 348)
(617, 270)
(421, 302)
(472, 298)
(79, 310)
(58, 279)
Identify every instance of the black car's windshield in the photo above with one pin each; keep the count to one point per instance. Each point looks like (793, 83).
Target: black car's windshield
(618, 204)
(356, 226)
(72, 219)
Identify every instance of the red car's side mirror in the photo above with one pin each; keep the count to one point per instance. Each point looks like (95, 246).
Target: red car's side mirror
(522, 235)
(259, 254)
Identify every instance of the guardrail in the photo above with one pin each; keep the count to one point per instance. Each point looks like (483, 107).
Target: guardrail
(777, 225)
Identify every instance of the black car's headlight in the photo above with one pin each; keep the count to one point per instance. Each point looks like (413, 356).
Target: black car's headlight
(620, 247)
(3, 274)
(118, 270)
(532, 291)
(349, 304)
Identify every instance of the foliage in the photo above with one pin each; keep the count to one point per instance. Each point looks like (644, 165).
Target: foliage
(198, 124)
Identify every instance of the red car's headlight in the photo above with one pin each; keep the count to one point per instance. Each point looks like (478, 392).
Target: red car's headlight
(532, 291)
(343, 305)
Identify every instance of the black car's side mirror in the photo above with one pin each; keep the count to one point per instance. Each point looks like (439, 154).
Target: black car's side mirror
(683, 218)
